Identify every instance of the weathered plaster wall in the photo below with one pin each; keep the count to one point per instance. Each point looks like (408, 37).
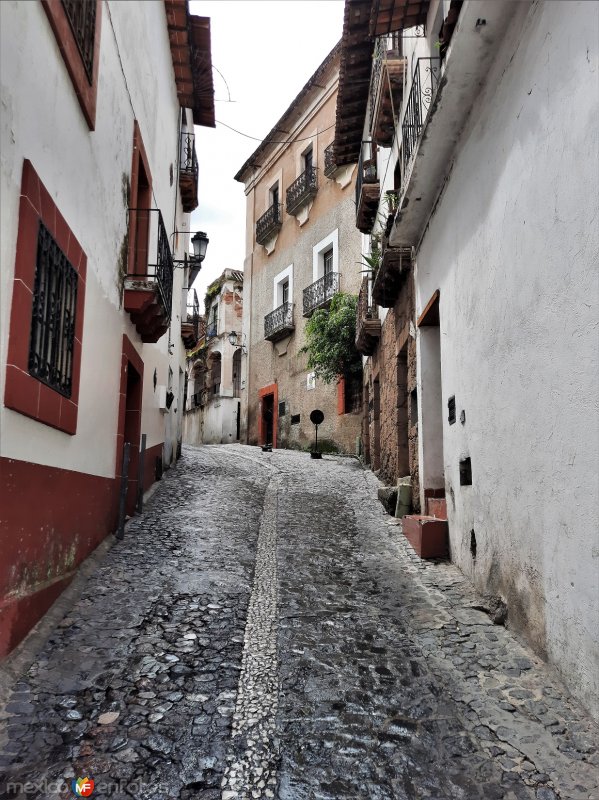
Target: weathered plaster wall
(42, 120)
(513, 247)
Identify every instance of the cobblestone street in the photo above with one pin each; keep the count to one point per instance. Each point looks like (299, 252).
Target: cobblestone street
(263, 632)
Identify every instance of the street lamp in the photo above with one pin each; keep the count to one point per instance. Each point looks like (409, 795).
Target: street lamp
(234, 341)
(199, 242)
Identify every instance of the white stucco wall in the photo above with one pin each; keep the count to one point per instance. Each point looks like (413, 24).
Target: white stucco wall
(513, 247)
(41, 120)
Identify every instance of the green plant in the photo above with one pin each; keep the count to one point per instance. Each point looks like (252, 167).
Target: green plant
(330, 335)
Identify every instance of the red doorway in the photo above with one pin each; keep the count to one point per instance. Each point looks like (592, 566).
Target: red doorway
(268, 414)
(129, 428)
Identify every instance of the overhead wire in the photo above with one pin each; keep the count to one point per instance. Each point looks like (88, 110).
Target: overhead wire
(272, 141)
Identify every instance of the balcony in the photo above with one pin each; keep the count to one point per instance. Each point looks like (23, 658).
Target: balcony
(212, 329)
(190, 322)
(319, 294)
(437, 109)
(424, 87)
(368, 189)
(330, 165)
(302, 190)
(393, 270)
(269, 223)
(188, 173)
(386, 89)
(368, 324)
(148, 285)
(279, 323)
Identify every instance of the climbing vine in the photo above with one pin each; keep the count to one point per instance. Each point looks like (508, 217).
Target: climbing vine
(331, 335)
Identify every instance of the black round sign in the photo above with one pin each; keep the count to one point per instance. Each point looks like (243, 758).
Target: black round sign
(316, 416)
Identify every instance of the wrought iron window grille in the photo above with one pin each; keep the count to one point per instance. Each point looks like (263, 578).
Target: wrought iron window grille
(53, 316)
(320, 292)
(81, 15)
(302, 189)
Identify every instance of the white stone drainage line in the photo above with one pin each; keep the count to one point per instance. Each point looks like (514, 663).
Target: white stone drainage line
(253, 756)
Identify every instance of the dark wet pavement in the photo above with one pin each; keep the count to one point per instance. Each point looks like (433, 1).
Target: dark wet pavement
(263, 632)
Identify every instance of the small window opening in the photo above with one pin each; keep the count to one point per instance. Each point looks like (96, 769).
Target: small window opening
(308, 160)
(465, 472)
(282, 409)
(473, 544)
(295, 418)
(451, 410)
(414, 407)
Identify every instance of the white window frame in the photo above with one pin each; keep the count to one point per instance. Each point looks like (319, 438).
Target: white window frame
(278, 281)
(318, 251)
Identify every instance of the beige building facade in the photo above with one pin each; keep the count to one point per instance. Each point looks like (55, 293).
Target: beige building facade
(301, 248)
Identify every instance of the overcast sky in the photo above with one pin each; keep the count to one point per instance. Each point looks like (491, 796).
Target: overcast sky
(266, 51)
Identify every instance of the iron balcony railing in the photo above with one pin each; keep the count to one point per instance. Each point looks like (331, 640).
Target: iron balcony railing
(212, 330)
(330, 166)
(153, 262)
(366, 308)
(193, 312)
(320, 292)
(424, 87)
(279, 322)
(302, 189)
(269, 223)
(189, 159)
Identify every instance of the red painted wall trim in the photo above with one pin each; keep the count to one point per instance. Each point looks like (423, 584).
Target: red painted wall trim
(139, 156)
(87, 93)
(23, 392)
(51, 519)
(274, 390)
(341, 396)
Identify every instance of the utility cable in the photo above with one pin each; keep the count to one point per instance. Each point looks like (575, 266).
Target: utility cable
(272, 141)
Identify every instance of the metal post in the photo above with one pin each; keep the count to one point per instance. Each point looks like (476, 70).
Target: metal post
(139, 507)
(120, 532)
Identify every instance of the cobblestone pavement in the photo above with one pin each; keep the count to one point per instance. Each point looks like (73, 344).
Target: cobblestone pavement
(262, 632)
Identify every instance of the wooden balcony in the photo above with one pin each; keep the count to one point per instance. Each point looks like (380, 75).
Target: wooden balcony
(386, 91)
(393, 270)
(368, 188)
(368, 324)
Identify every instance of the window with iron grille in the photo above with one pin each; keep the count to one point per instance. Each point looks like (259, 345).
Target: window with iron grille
(82, 19)
(53, 318)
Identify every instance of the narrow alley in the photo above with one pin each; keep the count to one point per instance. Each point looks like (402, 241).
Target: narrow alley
(263, 631)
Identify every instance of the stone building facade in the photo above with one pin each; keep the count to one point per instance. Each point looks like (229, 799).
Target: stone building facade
(213, 407)
(302, 247)
(492, 136)
(99, 177)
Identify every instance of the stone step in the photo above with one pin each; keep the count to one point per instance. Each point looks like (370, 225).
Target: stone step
(428, 536)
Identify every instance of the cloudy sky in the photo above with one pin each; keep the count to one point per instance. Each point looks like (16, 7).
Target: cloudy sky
(266, 51)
